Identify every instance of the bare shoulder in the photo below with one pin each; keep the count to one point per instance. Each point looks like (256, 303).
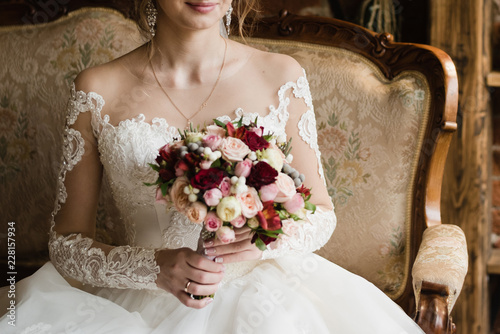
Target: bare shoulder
(273, 68)
(110, 78)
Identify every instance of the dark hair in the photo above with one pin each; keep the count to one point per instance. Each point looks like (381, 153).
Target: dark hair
(243, 9)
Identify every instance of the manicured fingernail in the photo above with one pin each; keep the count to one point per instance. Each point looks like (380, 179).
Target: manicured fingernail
(209, 300)
(208, 243)
(209, 251)
(219, 260)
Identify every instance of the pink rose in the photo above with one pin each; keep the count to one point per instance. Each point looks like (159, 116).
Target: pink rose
(216, 130)
(159, 197)
(212, 141)
(286, 188)
(239, 221)
(233, 149)
(225, 234)
(295, 204)
(177, 195)
(212, 222)
(225, 186)
(243, 168)
(250, 202)
(259, 131)
(196, 212)
(205, 164)
(212, 197)
(268, 192)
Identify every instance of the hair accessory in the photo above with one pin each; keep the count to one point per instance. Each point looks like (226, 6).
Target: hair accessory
(151, 14)
(228, 19)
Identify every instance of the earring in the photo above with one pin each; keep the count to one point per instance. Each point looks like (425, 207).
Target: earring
(228, 19)
(151, 13)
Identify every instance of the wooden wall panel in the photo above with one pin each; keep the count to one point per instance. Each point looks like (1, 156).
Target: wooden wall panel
(462, 28)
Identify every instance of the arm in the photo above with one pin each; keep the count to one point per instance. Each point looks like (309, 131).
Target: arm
(316, 229)
(72, 247)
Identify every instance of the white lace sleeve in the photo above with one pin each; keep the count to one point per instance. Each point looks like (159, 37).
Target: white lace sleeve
(74, 255)
(313, 232)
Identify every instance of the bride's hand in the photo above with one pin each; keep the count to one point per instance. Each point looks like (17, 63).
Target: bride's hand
(241, 249)
(180, 266)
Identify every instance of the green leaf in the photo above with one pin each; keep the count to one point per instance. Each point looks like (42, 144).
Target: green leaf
(155, 167)
(260, 244)
(164, 189)
(309, 206)
(216, 164)
(240, 122)
(219, 123)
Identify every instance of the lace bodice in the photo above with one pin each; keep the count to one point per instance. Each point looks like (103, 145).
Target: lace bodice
(125, 151)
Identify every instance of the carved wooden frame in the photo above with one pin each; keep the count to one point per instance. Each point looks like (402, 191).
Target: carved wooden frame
(392, 58)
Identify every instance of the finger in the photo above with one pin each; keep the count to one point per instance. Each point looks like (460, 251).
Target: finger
(242, 230)
(201, 289)
(205, 277)
(199, 262)
(233, 247)
(240, 256)
(186, 299)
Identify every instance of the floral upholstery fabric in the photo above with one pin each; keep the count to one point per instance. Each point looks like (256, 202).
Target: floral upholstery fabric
(442, 247)
(369, 130)
(38, 65)
(369, 133)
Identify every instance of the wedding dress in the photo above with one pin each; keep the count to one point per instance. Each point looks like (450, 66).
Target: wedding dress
(291, 290)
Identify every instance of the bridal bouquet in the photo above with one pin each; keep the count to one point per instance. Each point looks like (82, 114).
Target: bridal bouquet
(231, 175)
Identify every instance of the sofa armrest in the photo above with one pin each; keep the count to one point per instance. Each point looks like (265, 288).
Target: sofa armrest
(441, 259)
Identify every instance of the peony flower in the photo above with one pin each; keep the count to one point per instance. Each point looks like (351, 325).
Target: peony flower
(268, 192)
(225, 186)
(225, 234)
(239, 221)
(233, 149)
(274, 157)
(212, 141)
(286, 188)
(243, 168)
(207, 178)
(212, 197)
(228, 209)
(177, 195)
(294, 204)
(254, 141)
(216, 131)
(250, 202)
(212, 222)
(261, 174)
(196, 212)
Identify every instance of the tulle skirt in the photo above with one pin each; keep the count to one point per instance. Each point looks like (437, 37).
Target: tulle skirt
(288, 295)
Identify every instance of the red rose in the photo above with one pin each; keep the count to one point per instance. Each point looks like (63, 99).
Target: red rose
(192, 160)
(167, 155)
(265, 238)
(207, 179)
(167, 174)
(230, 129)
(240, 132)
(254, 141)
(261, 174)
(269, 220)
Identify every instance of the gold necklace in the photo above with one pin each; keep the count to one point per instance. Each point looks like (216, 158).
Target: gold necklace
(204, 104)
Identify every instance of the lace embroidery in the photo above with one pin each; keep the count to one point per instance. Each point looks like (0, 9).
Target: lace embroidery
(123, 267)
(307, 122)
(304, 236)
(73, 255)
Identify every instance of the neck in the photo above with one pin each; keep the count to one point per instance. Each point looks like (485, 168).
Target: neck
(187, 57)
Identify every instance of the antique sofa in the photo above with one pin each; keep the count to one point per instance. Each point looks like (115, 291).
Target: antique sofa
(385, 116)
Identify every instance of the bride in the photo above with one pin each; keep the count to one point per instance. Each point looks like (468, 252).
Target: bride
(119, 115)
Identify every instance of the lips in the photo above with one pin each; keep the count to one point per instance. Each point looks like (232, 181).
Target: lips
(202, 7)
